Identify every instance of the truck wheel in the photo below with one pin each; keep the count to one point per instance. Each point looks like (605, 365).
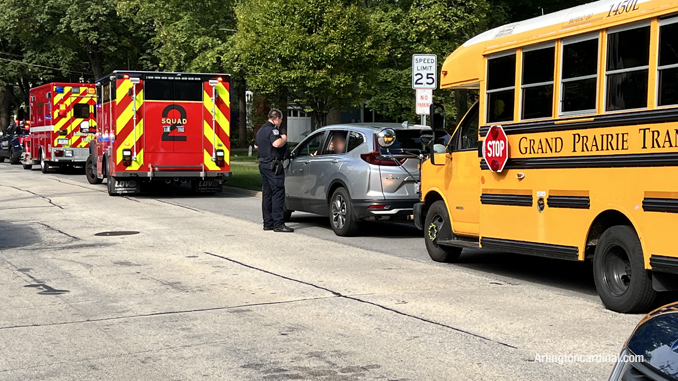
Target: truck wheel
(28, 166)
(44, 167)
(437, 219)
(110, 180)
(619, 272)
(91, 172)
(342, 220)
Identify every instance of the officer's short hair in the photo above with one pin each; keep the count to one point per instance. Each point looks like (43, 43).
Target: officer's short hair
(274, 114)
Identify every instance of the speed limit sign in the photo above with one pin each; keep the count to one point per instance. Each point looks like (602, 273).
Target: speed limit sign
(424, 71)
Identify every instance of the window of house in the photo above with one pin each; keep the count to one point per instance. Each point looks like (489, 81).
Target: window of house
(501, 75)
(579, 76)
(537, 91)
(628, 58)
(667, 77)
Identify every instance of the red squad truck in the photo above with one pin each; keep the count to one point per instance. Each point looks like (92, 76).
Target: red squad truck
(62, 125)
(161, 128)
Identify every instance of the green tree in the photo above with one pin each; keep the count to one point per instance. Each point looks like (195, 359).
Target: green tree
(322, 54)
(419, 26)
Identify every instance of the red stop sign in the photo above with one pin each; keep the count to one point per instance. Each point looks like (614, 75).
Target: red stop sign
(495, 149)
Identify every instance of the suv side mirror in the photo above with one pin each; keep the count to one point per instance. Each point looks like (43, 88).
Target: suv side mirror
(2, 134)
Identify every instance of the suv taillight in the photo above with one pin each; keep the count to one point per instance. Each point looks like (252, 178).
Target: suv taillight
(375, 158)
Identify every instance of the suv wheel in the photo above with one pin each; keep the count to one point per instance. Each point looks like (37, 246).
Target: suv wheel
(342, 220)
(437, 219)
(12, 159)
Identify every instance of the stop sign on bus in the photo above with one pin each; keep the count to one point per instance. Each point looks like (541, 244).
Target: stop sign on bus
(495, 149)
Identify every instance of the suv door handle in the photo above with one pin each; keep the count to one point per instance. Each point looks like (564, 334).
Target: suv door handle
(335, 161)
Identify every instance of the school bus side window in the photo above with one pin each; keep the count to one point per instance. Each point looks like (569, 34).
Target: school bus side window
(537, 89)
(501, 82)
(579, 76)
(668, 62)
(628, 59)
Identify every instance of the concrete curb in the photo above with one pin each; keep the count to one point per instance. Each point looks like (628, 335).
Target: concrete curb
(243, 192)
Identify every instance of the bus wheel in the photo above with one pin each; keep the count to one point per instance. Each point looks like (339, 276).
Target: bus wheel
(619, 272)
(437, 219)
(91, 172)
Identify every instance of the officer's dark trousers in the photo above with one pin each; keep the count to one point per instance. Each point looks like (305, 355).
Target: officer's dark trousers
(273, 196)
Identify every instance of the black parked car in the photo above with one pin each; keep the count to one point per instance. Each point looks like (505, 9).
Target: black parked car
(655, 341)
(12, 143)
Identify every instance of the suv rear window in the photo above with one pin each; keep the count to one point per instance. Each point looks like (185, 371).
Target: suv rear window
(407, 141)
(164, 90)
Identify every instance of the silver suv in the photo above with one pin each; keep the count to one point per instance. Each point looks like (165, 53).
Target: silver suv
(356, 172)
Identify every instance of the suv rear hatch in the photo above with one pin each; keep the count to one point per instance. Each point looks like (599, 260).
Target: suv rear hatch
(398, 172)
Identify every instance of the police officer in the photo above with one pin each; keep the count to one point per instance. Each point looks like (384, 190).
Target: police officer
(272, 147)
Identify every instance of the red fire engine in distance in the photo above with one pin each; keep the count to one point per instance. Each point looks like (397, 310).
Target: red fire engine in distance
(62, 125)
(161, 127)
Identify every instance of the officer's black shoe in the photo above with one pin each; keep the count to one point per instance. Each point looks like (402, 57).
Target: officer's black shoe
(283, 229)
(267, 228)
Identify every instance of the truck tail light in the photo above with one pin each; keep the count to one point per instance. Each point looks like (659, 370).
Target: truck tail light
(126, 157)
(63, 132)
(84, 127)
(375, 158)
(59, 153)
(221, 158)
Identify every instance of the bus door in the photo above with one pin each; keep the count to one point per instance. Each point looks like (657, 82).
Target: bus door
(463, 174)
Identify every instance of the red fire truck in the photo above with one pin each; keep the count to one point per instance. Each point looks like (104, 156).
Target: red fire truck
(162, 128)
(62, 125)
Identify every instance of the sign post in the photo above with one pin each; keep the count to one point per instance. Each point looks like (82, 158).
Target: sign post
(495, 149)
(424, 100)
(424, 80)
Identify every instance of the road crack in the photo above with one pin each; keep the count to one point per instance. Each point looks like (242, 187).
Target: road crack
(162, 313)
(353, 298)
(35, 194)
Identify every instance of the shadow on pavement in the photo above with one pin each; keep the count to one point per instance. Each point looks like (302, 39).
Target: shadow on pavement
(17, 235)
(367, 229)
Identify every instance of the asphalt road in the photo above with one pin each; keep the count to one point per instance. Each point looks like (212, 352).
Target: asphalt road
(201, 292)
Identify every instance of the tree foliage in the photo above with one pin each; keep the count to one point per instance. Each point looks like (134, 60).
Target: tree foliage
(322, 54)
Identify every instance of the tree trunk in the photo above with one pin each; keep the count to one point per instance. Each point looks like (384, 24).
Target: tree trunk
(242, 114)
(95, 62)
(4, 108)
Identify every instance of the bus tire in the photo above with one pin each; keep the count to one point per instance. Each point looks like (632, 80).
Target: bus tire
(622, 282)
(91, 172)
(436, 219)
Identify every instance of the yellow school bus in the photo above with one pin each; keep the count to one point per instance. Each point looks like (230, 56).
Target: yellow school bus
(588, 98)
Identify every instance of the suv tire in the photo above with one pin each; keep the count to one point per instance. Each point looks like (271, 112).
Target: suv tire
(342, 219)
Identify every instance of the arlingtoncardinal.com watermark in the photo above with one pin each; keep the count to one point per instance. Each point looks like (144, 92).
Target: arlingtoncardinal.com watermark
(600, 357)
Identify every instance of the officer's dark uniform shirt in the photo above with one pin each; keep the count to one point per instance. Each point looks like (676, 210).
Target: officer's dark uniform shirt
(268, 133)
